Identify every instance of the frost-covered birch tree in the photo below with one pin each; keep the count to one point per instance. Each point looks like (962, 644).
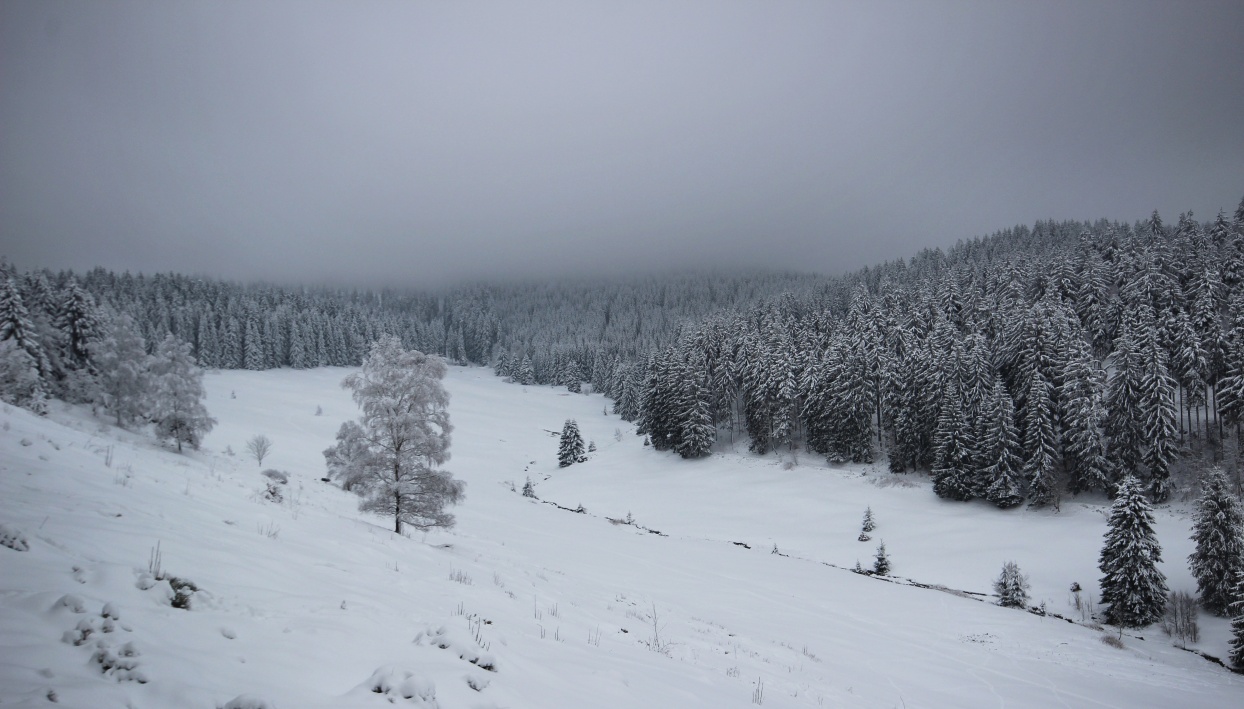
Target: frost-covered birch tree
(391, 456)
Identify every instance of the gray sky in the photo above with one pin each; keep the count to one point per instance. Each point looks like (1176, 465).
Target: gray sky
(417, 143)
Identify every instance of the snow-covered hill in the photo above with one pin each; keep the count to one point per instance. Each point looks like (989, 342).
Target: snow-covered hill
(309, 603)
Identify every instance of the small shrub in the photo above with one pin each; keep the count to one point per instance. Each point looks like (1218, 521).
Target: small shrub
(278, 476)
(1112, 641)
(246, 701)
(13, 539)
(183, 589)
(272, 492)
(529, 489)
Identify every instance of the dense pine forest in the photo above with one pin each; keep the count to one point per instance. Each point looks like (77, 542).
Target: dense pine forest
(1023, 366)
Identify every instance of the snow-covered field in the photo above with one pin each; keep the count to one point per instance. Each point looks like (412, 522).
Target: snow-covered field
(309, 603)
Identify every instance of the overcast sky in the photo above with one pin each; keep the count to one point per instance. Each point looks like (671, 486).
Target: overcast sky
(419, 143)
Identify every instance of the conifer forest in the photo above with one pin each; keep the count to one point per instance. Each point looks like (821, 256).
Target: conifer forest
(1025, 366)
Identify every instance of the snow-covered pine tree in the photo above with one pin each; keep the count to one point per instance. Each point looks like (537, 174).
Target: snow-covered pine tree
(698, 432)
(1133, 590)
(526, 374)
(999, 451)
(1040, 469)
(1084, 450)
(953, 474)
(1011, 586)
(1218, 530)
(570, 448)
(16, 325)
(881, 562)
(252, 346)
(176, 406)
(869, 524)
(78, 321)
(1160, 418)
(1237, 623)
(1124, 415)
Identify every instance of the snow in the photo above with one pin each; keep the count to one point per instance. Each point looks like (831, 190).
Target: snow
(311, 603)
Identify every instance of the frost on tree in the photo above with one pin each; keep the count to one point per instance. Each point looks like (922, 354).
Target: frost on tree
(20, 384)
(1011, 586)
(392, 455)
(1133, 590)
(570, 448)
(1218, 530)
(176, 405)
(121, 364)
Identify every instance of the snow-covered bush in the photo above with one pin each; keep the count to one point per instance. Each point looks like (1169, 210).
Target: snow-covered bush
(246, 701)
(393, 683)
(13, 539)
(277, 476)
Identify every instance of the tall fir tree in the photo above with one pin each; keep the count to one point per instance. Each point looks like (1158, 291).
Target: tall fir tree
(1160, 419)
(1040, 470)
(1084, 448)
(1124, 415)
(1133, 590)
(953, 473)
(1237, 623)
(1000, 462)
(570, 448)
(1218, 531)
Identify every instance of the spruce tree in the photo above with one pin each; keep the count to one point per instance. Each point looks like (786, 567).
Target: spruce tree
(570, 450)
(1011, 586)
(1160, 422)
(1124, 416)
(1082, 417)
(1237, 623)
(868, 524)
(16, 325)
(1133, 590)
(953, 476)
(1218, 530)
(881, 562)
(1040, 443)
(78, 322)
(999, 452)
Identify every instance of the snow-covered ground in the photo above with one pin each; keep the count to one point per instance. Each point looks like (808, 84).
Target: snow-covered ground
(309, 603)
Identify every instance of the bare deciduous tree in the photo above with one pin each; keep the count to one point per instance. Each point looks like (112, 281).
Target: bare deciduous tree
(259, 447)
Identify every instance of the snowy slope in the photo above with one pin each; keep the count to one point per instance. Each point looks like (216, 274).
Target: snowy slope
(309, 603)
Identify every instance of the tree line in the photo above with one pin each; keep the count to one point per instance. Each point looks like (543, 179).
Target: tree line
(1022, 366)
